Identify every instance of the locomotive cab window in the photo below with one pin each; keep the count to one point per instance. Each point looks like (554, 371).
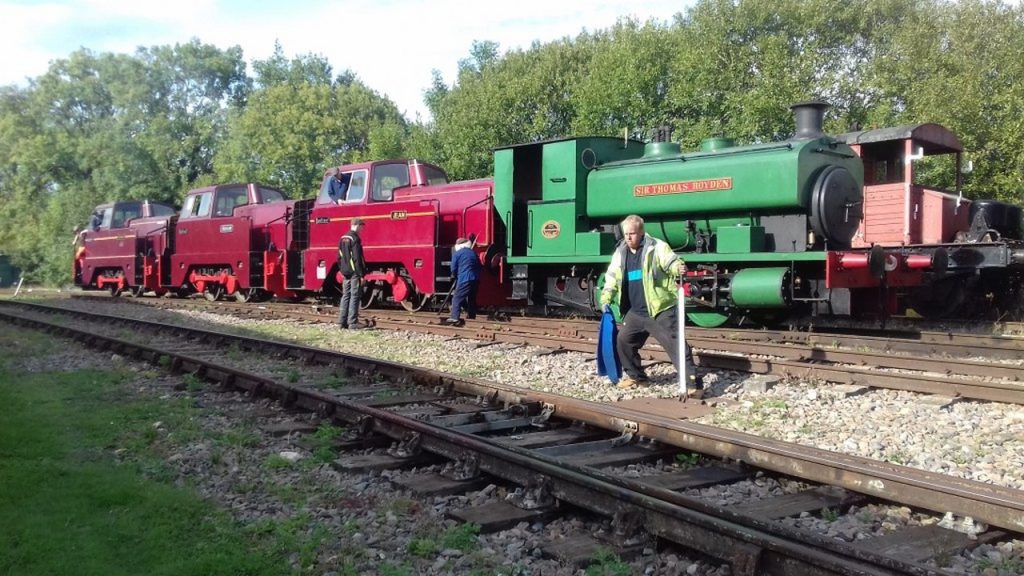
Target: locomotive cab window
(229, 198)
(435, 175)
(197, 205)
(108, 215)
(123, 212)
(161, 210)
(355, 192)
(386, 178)
(269, 196)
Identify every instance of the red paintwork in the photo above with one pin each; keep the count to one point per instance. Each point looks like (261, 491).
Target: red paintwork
(408, 233)
(220, 245)
(124, 252)
(850, 269)
(898, 211)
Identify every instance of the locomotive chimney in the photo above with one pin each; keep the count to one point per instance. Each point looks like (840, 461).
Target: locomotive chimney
(809, 117)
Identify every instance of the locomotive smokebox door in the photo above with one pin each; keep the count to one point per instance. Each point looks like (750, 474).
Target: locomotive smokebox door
(837, 205)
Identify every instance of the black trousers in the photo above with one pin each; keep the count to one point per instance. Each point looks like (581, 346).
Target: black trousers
(633, 335)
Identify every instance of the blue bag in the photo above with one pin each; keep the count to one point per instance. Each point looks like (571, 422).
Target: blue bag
(607, 357)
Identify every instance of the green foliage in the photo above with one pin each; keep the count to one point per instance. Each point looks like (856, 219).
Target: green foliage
(100, 127)
(327, 433)
(240, 438)
(422, 547)
(607, 563)
(193, 383)
(403, 506)
(277, 462)
(690, 459)
(461, 537)
(829, 515)
(391, 569)
(1004, 566)
(291, 132)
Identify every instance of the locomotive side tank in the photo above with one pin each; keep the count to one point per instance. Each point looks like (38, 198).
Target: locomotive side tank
(694, 194)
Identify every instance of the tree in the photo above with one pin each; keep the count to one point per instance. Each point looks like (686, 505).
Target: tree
(291, 132)
(104, 127)
(960, 65)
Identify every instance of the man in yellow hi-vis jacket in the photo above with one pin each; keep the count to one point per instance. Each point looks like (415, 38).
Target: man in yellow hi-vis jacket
(641, 279)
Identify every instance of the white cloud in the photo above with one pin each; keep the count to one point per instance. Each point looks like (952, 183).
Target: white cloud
(391, 44)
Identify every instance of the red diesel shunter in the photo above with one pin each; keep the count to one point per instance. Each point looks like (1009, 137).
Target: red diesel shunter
(120, 249)
(413, 217)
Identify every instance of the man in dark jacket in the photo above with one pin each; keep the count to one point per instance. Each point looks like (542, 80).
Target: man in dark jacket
(466, 271)
(352, 267)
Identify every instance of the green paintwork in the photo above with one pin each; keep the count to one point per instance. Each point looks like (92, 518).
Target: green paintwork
(552, 228)
(540, 194)
(558, 200)
(661, 150)
(740, 239)
(766, 178)
(717, 143)
(594, 243)
(560, 172)
(759, 287)
(707, 319)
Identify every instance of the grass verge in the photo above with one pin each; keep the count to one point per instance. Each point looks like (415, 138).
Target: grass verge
(69, 506)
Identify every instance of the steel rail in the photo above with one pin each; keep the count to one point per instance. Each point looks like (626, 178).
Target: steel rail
(995, 505)
(806, 365)
(938, 376)
(751, 545)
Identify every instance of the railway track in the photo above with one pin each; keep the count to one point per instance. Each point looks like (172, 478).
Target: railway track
(968, 366)
(558, 450)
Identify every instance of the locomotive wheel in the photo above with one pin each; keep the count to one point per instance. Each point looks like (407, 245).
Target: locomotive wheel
(940, 300)
(369, 296)
(415, 302)
(213, 292)
(707, 319)
(244, 295)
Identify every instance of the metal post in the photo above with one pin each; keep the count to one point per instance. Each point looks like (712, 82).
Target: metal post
(681, 333)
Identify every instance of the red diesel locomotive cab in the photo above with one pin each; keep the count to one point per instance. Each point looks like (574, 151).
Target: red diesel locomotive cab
(413, 217)
(225, 243)
(120, 248)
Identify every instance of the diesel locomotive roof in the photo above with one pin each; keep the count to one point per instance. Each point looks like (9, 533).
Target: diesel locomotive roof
(933, 138)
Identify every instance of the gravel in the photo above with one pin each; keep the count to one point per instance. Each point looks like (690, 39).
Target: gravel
(976, 440)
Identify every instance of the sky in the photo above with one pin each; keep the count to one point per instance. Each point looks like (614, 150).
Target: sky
(391, 45)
